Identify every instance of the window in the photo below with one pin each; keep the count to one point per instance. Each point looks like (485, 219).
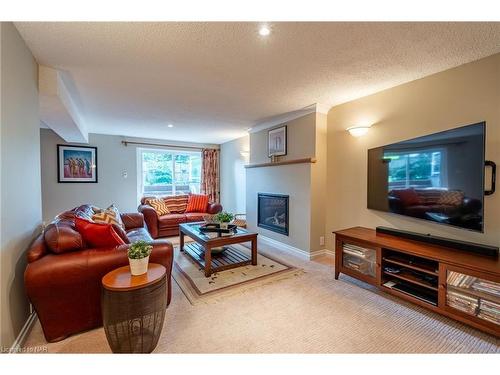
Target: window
(167, 172)
(422, 169)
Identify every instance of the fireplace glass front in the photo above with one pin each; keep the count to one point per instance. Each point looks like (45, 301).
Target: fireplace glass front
(273, 212)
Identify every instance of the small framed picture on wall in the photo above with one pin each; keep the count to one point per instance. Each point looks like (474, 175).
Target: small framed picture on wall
(76, 164)
(277, 141)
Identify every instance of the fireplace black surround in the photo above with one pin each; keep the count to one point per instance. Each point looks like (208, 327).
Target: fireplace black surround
(272, 212)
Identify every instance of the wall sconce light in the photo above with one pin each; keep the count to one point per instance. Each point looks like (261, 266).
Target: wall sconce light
(358, 131)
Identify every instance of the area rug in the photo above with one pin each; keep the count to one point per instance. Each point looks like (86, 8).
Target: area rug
(198, 288)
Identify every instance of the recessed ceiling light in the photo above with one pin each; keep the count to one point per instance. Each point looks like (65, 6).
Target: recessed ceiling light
(170, 126)
(264, 31)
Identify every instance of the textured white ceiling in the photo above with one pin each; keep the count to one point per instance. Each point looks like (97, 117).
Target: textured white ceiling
(214, 80)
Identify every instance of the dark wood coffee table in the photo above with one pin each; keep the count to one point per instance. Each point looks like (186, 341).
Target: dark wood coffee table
(201, 250)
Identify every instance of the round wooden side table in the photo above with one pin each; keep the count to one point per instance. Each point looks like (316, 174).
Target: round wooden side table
(133, 308)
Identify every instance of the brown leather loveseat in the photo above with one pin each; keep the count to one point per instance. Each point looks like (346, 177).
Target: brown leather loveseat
(63, 276)
(168, 225)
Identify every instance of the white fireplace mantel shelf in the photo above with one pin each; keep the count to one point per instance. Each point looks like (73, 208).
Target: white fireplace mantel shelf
(284, 162)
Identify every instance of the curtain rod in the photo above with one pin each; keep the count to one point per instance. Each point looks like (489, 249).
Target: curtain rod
(126, 143)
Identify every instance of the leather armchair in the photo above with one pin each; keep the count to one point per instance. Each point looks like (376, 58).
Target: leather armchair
(65, 288)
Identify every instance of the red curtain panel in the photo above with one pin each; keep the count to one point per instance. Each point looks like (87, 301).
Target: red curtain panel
(210, 174)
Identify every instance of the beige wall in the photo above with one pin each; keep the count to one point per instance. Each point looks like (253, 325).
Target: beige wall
(113, 159)
(301, 141)
(318, 184)
(233, 174)
(460, 96)
(296, 180)
(20, 176)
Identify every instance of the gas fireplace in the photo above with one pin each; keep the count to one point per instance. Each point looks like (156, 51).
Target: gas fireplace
(272, 212)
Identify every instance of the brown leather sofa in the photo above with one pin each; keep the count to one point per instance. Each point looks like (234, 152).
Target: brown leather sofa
(168, 225)
(63, 276)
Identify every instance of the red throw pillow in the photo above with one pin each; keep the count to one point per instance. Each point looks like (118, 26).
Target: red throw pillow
(197, 203)
(97, 234)
(409, 197)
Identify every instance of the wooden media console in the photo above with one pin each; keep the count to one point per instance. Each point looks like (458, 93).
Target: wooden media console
(458, 284)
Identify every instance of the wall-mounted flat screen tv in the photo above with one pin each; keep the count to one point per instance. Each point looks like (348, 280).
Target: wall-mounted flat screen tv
(437, 177)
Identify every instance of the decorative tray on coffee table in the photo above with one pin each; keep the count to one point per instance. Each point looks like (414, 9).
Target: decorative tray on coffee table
(215, 228)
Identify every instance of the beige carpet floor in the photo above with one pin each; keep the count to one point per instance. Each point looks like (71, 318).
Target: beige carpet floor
(313, 313)
(197, 288)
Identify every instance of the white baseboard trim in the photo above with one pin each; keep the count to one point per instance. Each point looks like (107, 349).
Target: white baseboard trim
(21, 338)
(321, 252)
(330, 252)
(291, 249)
(283, 246)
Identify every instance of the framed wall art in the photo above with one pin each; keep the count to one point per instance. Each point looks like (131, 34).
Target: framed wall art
(76, 164)
(277, 141)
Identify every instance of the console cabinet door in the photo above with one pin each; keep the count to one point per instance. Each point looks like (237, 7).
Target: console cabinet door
(358, 260)
(470, 296)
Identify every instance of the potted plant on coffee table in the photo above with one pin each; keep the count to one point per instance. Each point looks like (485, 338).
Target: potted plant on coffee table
(138, 257)
(224, 218)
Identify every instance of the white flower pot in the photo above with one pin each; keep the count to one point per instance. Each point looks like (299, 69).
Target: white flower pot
(223, 225)
(138, 266)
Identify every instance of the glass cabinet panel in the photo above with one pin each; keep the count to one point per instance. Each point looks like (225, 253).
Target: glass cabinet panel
(359, 259)
(474, 296)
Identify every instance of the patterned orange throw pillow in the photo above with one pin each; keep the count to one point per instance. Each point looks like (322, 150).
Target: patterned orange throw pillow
(176, 204)
(197, 203)
(159, 205)
(110, 215)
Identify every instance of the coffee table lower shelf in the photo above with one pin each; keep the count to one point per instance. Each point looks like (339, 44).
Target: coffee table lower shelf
(229, 258)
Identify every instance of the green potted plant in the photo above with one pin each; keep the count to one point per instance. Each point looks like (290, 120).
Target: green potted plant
(138, 257)
(224, 218)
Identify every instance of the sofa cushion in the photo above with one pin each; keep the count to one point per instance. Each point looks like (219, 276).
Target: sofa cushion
(197, 203)
(110, 215)
(60, 237)
(195, 216)
(98, 235)
(137, 234)
(159, 205)
(177, 204)
(171, 220)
